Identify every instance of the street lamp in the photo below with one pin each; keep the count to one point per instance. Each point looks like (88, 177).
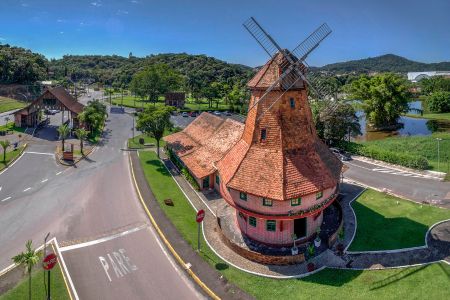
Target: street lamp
(438, 142)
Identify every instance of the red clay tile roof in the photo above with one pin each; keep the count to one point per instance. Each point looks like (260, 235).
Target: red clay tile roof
(291, 162)
(201, 161)
(205, 141)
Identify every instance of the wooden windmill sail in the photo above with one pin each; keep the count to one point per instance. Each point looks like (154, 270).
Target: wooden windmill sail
(293, 65)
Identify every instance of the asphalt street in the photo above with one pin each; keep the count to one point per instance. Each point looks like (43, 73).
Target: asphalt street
(405, 184)
(94, 201)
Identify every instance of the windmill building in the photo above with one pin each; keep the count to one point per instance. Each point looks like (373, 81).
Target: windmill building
(274, 171)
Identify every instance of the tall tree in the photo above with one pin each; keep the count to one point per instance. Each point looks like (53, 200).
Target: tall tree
(63, 131)
(335, 120)
(5, 144)
(28, 259)
(93, 116)
(385, 98)
(156, 80)
(81, 135)
(153, 122)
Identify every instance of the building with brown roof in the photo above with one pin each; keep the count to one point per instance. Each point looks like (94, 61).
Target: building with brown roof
(203, 143)
(274, 171)
(52, 99)
(175, 99)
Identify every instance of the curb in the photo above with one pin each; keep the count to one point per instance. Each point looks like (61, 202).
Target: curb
(63, 163)
(73, 295)
(15, 159)
(181, 262)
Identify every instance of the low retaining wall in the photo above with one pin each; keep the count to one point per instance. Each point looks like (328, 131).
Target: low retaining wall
(258, 257)
(332, 239)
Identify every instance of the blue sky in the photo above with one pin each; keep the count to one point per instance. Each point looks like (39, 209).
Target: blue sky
(418, 30)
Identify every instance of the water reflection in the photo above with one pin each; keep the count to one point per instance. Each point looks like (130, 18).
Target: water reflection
(411, 126)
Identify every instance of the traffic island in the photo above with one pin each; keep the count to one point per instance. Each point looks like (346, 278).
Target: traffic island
(72, 157)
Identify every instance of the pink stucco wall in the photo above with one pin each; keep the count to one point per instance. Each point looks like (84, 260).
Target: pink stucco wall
(284, 236)
(255, 203)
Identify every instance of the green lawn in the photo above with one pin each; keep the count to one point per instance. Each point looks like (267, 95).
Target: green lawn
(383, 224)
(432, 116)
(7, 104)
(420, 145)
(11, 127)
(58, 287)
(134, 143)
(10, 155)
(427, 282)
(131, 101)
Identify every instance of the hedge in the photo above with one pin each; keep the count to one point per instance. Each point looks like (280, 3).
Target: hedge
(375, 152)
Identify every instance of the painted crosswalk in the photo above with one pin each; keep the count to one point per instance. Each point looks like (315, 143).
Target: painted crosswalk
(400, 173)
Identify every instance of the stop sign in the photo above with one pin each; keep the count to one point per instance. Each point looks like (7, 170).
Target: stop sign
(50, 261)
(200, 216)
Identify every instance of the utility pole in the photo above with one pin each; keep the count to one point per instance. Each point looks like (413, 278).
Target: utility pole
(45, 254)
(438, 141)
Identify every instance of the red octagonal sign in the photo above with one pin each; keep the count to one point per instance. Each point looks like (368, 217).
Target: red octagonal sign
(50, 261)
(200, 216)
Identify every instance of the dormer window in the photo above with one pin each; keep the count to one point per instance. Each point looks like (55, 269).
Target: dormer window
(292, 101)
(263, 134)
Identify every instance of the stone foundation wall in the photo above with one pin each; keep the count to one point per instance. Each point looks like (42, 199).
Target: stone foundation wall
(258, 257)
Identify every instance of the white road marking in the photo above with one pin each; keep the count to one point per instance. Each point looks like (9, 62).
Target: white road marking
(45, 180)
(102, 240)
(58, 173)
(27, 189)
(6, 199)
(1, 188)
(40, 153)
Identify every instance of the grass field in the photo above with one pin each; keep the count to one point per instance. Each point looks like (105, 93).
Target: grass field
(428, 282)
(134, 143)
(131, 101)
(383, 224)
(7, 104)
(12, 127)
(10, 156)
(426, 146)
(432, 116)
(58, 287)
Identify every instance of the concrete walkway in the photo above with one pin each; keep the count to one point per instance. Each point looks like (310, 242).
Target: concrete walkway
(437, 248)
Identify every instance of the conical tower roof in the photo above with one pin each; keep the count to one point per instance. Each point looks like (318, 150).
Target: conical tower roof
(279, 155)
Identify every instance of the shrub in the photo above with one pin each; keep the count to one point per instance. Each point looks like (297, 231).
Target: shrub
(439, 102)
(190, 178)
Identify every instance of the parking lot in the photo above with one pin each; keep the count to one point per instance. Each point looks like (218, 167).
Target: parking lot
(183, 121)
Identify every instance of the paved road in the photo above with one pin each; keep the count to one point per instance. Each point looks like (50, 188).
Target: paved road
(405, 184)
(93, 202)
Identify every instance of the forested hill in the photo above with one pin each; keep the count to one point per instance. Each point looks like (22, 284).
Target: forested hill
(384, 63)
(117, 69)
(19, 65)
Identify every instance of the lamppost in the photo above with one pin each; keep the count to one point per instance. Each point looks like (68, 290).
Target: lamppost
(438, 142)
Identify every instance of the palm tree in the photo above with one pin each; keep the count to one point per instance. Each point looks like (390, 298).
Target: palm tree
(82, 135)
(63, 131)
(28, 259)
(5, 144)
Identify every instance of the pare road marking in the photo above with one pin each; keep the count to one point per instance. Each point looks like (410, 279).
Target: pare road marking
(27, 189)
(120, 263)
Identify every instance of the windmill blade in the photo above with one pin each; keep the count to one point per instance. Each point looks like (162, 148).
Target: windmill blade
(311, 42)
(262, 37)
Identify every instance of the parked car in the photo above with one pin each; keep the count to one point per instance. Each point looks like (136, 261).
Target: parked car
(217, 113)
(227, 113)
(194, 114)
(185, 114)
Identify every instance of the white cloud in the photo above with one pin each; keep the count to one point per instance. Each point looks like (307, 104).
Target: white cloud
(23, 4)
(97, 3)
(59, 20)
(134, 1)
(61, 32)
(122, 12)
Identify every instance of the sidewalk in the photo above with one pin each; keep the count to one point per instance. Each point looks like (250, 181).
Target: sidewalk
(212, 278)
